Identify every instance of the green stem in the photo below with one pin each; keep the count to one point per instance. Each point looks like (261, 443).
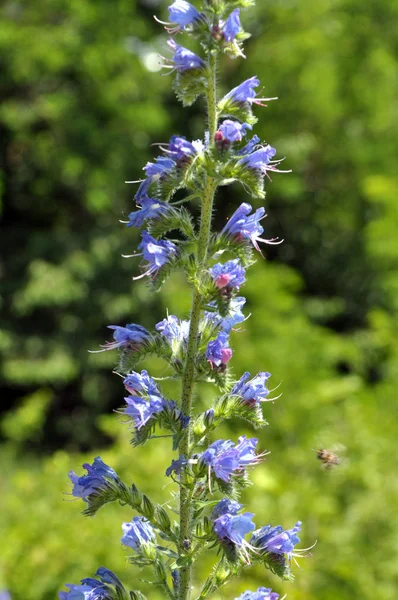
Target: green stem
(188, 377)
(165, 587)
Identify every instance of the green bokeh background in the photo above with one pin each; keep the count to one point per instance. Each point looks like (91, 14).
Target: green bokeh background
(81, 102)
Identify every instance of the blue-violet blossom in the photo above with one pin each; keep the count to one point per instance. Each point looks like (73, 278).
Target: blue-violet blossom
(254, 391)
(141, 410)
(154, 171)
(173, 330)
(225, 506)
(218, 351)
(131, 336)
(184, 59)
(136, 383)
(233, 131)
(138, 532)
(176, 466)
(149, 208)
(156, 252)
(233, 528)
(179, 148)
(98, 475)
(234, 316)
(90, 589)
(277, 540)
(228, 275)
(232, 26)
(261, 594)
(181, 14)
(244, 93)
(244, 225)
(226, 458)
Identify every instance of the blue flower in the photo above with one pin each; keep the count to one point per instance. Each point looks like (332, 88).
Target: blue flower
(183, 13)
(184, 59)
(179, 148)
(174, 330)
(225, 506)
(98, 476)
(136, 383)
(259, 159)
(5, 595)
(141, 410)
(233, 528)
(94, 589)
(131, 336)
(233, 131)
(229, 275)
(156, 252)
(277, 540)
(88, 591)
(232, 26)
(233, 317)
(253, 391)
(243, 225)
(249, 146)
(218, 351)
(154, 171)
(245, 93)
(261, 594)
(149, 209)
(137, 533)
(226, 459)
(177, 466)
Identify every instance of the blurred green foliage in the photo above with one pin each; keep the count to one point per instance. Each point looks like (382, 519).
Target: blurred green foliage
(81, 103)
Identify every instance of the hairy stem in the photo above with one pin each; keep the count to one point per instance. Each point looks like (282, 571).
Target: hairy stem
(189, 368)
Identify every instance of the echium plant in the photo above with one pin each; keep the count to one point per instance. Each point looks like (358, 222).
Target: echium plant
(210, 473)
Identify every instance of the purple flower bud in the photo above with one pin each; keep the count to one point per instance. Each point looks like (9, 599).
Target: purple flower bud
(149, 209)
(276, 540)
(253, 391)
(184, 59)
(244, 225)
(218, 351)
(176, 466)
(231, 274)
(232, 26)
(233, 528)
(209, 417)
(140, 384)
(261, 594)
(156, 252)
(233, 131)
(183, 13)
(174, 330)
(225, 506)
(141, 410)
(98, 476)
(137, 533)
(132, 336)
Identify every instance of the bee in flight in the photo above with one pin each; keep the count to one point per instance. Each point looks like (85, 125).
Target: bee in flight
(328, 458)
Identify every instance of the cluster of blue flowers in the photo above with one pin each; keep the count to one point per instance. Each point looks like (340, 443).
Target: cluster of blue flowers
(195, 349)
